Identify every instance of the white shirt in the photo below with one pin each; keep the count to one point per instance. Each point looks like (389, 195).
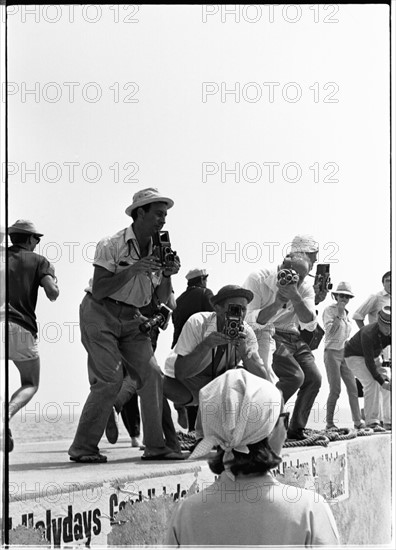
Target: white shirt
(263, 284)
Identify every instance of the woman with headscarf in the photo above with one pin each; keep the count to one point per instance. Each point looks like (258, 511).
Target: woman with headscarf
(243, 416)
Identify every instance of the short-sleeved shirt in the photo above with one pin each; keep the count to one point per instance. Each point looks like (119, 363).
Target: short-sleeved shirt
(372, 306)
(263, 284)
(195, 330)
(26, 269)
(119, 252)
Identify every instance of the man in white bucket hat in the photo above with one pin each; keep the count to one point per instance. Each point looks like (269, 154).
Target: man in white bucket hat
(126, 277)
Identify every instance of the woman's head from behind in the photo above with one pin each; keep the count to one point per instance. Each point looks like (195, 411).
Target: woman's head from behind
(243, 416)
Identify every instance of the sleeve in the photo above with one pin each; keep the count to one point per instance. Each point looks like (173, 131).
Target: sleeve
(369, 356)
(251, 340)
(190, 336)
(45, 268)
(253, 284)
(105, 255)
(366, 307)
(324, 530)
(328, 318)
(308, 295)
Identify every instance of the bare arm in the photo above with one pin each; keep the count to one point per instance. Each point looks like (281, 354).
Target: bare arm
(106, 283)
(51, 289)
(359, 323)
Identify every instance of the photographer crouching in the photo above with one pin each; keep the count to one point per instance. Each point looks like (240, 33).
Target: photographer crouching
(210, 344)
(128, 273)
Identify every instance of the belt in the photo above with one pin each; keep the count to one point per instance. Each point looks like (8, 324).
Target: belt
(118, 303)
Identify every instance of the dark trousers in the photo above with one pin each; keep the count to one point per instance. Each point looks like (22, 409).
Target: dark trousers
(294, 365)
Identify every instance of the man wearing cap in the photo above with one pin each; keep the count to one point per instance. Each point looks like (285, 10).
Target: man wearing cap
(194, 299)
(338, 327)
(27, 271)
(276, 314)
(203, 351)
(127, 276)
(370, 308)
(362, 356)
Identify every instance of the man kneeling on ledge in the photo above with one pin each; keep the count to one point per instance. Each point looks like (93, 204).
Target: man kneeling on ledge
(210, 344)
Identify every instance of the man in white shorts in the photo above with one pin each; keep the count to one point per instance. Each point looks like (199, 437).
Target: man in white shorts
(27, 271)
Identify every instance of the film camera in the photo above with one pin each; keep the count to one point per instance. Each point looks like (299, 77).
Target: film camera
(162, 247)
(233, 321)
(160, 319)
(287, 277)
(322, 277)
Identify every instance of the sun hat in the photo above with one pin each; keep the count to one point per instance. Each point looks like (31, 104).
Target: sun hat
(24, 226)
(344, 288)
(304, 243)
(232, 291)
(385, 315)
(237, 409)
(146, 196)
(196, 272)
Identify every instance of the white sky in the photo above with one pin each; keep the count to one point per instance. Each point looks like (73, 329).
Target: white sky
(170, 132)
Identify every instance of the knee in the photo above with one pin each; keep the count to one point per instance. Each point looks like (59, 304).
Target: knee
(316, 381)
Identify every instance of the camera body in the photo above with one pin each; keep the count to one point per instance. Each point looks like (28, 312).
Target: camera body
(233, 325)
(160, 319)
(322, 277)
(287, 277)
(162, 248)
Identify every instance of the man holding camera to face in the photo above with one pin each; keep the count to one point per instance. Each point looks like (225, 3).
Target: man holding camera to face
(128, 274)
(284, 301)
(211, 343)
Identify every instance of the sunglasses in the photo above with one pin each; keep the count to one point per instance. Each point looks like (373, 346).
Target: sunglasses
(38, 239)
(286, 417)
(344, 296)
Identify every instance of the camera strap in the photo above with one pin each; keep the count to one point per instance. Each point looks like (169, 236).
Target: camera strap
(216, 359)
(154, 297)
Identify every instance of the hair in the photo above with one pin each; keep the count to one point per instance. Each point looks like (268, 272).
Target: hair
(260, 459)
(20, 238)
(146, 208)
(387, 274)
(196, 280)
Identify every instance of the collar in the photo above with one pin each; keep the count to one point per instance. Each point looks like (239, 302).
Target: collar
(129, 234)
(383, 293)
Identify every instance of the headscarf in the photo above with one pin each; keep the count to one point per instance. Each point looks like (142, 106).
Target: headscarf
(237, 409)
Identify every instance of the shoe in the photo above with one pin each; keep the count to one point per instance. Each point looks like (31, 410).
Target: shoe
(90, 459)
(332, 428)
(297, 434)
(360, 426)
(112, 427)
(182, 418)
(169, 455)
(10, 441)
(388, 427)
(377, 428)
(135, 442)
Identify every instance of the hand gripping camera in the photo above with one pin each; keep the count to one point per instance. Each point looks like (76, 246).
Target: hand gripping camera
(287, 277)
(162, 248)
(322, 277)
(160, 319)
(233, 321)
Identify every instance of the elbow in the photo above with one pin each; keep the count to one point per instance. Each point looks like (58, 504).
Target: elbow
(53, 294)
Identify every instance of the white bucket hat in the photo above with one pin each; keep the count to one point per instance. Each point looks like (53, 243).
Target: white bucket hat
(146, 196)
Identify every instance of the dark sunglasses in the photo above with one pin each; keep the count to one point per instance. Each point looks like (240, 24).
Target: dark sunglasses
(38, 239)
(286, 417)
(344, 296)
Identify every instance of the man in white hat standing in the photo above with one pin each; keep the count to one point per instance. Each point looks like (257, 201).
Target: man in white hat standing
(126, 277)
(27, 271)
(276, 314)
(362, 356)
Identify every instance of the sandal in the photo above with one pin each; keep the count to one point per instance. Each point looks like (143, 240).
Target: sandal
(90, 459)
(170, 455)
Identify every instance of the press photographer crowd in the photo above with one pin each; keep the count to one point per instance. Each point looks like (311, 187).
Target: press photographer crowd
(245, 348)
